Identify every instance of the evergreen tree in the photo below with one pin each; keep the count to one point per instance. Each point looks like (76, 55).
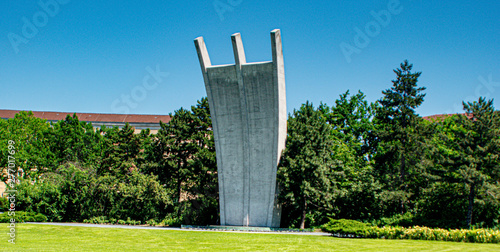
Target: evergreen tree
(305, 169)
(470, 154)
(122, 150)
(183, 157)
(176, 138)
(204, 181)
(396, 133)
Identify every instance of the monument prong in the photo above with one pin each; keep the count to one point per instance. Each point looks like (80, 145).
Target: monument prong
(277, 50)
(239, 52)
(203, 56)
(240, 59)
(205, 63)
(280, 117)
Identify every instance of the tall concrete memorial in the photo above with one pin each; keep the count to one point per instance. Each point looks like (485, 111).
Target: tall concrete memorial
(248, 110)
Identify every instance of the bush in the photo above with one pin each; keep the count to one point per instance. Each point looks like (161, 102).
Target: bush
(352, 228)
(346, 228)
(105, 220)
(403, 220)
(4, 204)
(46, 198)
(132, 222)
(40, 218)
(73, 193)
(171, 221)
(141, 197)
(20, 216)
(151, 222)
(438, 234)
(97, 220)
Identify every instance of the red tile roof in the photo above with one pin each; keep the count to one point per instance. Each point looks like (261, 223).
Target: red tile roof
(92, 117)
(441, 117)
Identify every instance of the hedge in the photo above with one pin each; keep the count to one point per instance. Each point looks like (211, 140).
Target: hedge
(352, 228)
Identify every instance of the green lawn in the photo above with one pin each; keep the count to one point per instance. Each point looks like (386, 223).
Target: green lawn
(62, 238)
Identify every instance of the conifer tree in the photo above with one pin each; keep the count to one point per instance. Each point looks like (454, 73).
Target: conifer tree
(305, 169)
(121, 152)
(478, 149)
(396, 132)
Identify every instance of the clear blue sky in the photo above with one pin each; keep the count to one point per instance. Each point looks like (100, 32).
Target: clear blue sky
(85, 56)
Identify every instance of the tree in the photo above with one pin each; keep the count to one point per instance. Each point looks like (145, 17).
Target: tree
(305, 171)
(351, 122)
(142, 197)
(350, 119)
(121, 150)
(32, 147)
(76, 141)
(204, 197)
(183, 157)
(179, 147)
(470, 153)
(397, 132)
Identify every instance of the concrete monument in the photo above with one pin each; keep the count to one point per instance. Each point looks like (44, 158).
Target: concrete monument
(248, 110)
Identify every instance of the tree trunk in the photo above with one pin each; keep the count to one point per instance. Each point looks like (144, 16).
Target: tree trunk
(403, 180)
(303, 219)
(472, 195)
(179, 181)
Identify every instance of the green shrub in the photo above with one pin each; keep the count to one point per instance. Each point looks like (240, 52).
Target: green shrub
(351, 228)
(4, 204)
(151, 222)
(171, 221)
(97, 220)
(105, 220)
(403, 220)
(346, 228)
(40, 218)
(132, 222)
(73, 193)
(21, 216)
(141, 197)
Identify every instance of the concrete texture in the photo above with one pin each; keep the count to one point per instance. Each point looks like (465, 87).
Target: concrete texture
(248, 110)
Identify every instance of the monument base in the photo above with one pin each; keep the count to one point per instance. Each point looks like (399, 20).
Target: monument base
(245, 229)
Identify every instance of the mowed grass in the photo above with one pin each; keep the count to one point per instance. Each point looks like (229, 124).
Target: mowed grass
(63, 238)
